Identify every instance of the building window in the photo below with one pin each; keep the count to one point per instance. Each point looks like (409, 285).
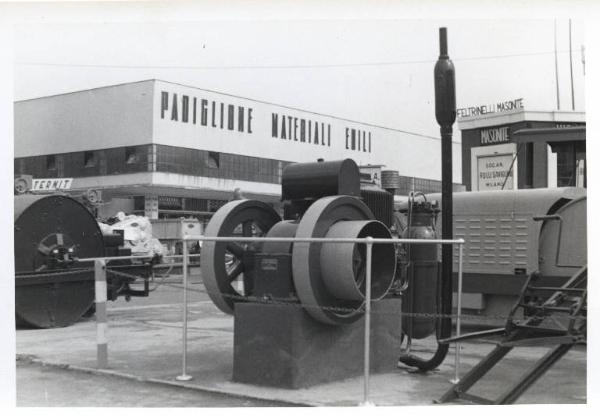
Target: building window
(199, 205)
(566, 164)
(89, 159)
(529, 171)
(139, 203)
(213, 160)
(214, 205)
(170, 203)
(131, 156)
(51, 162)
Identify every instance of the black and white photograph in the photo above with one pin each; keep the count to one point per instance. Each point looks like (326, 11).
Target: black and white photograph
(297, 204)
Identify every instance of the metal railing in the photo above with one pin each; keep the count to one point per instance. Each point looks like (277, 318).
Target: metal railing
(101, 289)
(368, 241)
(100, 300)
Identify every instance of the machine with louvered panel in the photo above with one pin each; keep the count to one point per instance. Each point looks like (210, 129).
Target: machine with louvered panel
(509, 234)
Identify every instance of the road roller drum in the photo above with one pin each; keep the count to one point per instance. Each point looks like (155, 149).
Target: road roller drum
(51, 288)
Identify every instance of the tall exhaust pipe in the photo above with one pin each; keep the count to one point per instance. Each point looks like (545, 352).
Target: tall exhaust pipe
(445, 114)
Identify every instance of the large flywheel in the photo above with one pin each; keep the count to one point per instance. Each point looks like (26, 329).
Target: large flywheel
(223, 265)
(329, 278)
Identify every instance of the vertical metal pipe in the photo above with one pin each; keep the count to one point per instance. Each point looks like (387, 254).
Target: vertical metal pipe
(583, 58)
(447, 214)
(184, 375)
(458, 313)
(101, 320)
(445, 114)
(571, 66)
(369, 243)
(556, 69)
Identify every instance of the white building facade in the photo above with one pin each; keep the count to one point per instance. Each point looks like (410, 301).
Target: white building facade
(168, 149)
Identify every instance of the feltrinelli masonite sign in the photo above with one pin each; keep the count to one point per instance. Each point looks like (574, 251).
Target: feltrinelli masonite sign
(496, 135)
(504, 106)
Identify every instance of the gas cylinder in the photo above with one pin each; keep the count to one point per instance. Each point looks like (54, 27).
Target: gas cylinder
(421, 294)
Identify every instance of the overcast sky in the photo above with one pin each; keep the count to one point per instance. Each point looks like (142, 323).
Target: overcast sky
(376, 71)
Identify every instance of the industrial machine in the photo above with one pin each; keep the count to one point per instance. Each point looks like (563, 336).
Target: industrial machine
(551, 308)
(295, 302)
(52, 287)
(556, 319)
(321, 199)
(510, 234)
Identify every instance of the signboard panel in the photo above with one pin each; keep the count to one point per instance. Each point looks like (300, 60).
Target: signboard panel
(494, 167)
(195, 118)
(496, 135)
(51, 184)
(374, 172)
(495, 173)
(151, 207)
(513, 105)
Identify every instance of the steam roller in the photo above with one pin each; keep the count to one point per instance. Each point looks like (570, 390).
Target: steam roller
(51, 290)
(52, 287)
(321, 200)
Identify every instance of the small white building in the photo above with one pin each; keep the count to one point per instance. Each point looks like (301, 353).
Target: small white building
(505, 146)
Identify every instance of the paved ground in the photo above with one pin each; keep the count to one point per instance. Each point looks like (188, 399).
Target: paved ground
(145, 345)
(40, 385)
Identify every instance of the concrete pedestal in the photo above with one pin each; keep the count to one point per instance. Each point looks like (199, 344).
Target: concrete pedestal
(282, 346)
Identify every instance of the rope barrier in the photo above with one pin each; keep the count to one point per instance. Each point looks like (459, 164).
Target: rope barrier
(55, 273)
(277, 300)
(293, 302)
(362, 307)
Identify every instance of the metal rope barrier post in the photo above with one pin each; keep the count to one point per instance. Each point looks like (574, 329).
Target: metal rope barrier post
(184, 375)
(458, 312)
(101, 320)
(369, 243)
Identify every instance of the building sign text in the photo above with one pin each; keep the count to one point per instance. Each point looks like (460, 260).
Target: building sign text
(194, 110)
(505, 106)
(287, 127)
(495, 135)
(189, 110)
(51, 184)
(495, 172)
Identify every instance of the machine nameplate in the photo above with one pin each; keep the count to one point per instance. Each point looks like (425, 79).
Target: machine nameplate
(269, 264)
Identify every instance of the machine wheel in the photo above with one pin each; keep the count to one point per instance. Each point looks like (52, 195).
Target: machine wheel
(306, 266)
(223, 262)
(50, 292)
